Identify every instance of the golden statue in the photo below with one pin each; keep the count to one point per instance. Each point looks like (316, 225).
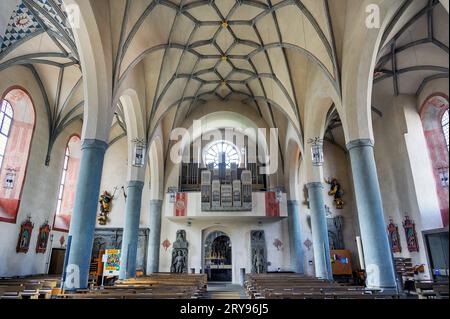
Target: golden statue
(337, 192)
(105, 207)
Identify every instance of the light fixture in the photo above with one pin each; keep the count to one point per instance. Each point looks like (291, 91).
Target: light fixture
(139, 153)
(316, 151)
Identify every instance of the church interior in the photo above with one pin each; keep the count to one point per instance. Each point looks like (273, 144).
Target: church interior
(224, 149)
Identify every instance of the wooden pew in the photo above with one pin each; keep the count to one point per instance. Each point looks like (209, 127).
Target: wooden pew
(292, 286)
(157, 286)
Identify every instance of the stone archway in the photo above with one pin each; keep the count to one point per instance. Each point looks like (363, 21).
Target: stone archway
(217, 257)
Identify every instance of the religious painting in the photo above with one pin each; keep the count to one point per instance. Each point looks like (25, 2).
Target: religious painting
(272, 205)
(180, 206)
(411, 236)
(394, 237)
(44, 232)
(15, 143)
(25, 236)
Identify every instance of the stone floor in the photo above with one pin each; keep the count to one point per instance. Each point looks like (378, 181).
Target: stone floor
(219, 290)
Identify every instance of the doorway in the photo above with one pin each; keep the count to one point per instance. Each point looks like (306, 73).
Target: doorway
(57, 261)
(218, 257)
(438, 251)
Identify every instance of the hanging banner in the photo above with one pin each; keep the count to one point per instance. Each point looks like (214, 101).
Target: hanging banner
(180, 207)
(272, 205)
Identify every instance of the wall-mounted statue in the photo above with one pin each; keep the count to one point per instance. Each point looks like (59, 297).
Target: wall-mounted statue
(179, 263)
(336, 191)
(105, 207)
(259, 252)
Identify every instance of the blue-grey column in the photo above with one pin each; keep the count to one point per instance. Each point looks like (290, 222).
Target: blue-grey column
(321, 245)
(83, 220)
(377, 254)
(295, 236)
(131, 230)
(154, 240)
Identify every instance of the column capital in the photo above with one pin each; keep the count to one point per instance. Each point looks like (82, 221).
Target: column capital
(94, 144)
(135, 184)
(360, 143)
(293, 202)
(315, 185)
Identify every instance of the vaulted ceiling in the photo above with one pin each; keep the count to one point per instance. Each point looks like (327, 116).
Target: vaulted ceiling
(414, 51)
(190, 52)
(255, 51)
(37, 36)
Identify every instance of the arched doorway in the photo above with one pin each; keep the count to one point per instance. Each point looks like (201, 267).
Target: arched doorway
(218, 257)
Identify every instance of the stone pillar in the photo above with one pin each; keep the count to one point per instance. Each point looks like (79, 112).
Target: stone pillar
(321, 245)
(377, 254)
(295, 237)
(131, 230)
(84, 214)
(154, 241)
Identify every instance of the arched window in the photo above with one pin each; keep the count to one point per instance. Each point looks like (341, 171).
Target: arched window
(6, 118)
(445, 127)
(214, 153)
(17, 119)
(435, 121)
(67, 185)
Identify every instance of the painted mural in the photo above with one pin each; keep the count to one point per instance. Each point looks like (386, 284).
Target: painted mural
(15, 142)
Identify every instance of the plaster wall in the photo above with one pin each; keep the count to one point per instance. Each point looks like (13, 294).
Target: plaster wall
(40, 205)
(404, 173)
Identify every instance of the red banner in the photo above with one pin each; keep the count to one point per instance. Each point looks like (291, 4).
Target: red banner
(272, 205)
(180, 207)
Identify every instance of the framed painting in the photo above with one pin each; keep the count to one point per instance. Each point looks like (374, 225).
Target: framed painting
(394, 237)
(411, 236)
(44, 233)
(25, 236)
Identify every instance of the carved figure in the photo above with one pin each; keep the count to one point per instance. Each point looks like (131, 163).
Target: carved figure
(179, 262)
(105, 207)
(337, 192)
(258, 261)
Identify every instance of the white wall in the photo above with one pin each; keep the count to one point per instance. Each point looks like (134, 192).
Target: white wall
(239, 233)
(41, 205)
(337, 165)
(407, 189)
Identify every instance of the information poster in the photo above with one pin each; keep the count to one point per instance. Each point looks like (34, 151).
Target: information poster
(112, 262)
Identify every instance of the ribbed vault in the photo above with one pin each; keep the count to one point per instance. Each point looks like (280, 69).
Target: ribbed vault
(226, 50)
